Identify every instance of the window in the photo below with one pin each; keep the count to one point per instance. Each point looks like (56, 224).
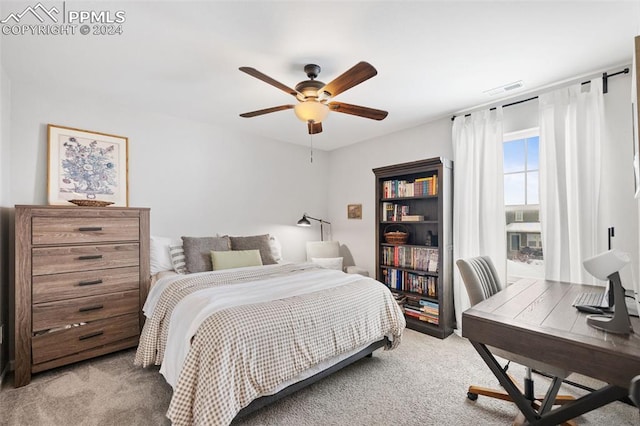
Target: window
(534, 241)
(521, 171)
(519, 216)
(521, 199)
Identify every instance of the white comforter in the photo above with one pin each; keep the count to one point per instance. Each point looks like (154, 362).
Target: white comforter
(225, 338)
(198, 306)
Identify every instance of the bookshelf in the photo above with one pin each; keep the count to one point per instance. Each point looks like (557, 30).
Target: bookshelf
(413, 241)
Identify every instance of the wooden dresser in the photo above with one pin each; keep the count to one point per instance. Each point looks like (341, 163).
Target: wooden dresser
(81, 278)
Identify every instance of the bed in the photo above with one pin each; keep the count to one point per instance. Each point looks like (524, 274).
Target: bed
(231, 341)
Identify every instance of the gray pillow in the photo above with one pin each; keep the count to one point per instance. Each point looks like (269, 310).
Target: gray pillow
(255, 242)
(197, 251)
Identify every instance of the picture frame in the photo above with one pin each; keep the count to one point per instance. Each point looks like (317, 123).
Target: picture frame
(354, 211)
(88, 167)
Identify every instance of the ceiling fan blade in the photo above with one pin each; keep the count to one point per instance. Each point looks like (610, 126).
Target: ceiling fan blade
(260, 76)
(355, 75)
(266, 111)
(360, 111)
(314, 128)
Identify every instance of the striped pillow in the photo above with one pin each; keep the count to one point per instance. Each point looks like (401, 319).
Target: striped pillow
(177, 259)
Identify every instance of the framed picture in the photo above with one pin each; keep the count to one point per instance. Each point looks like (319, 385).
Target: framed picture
(86, 165)
(354, 211)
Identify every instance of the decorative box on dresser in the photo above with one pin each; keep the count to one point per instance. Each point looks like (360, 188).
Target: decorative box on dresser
(81, 278)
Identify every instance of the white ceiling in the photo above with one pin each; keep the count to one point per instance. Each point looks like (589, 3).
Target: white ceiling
(434, 58)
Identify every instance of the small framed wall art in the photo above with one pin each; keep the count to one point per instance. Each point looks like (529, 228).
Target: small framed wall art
(87, 166)
(354, 211)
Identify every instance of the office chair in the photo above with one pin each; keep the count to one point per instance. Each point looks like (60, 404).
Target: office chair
(481, 281)
(634, 390)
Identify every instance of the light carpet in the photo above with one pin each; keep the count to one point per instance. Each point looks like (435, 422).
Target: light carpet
(423, 382)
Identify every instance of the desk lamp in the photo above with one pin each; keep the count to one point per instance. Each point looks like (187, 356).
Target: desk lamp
(305, 222)
(605, 266)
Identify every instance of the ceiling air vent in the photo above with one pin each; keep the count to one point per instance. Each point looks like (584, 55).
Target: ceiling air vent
(505, 88)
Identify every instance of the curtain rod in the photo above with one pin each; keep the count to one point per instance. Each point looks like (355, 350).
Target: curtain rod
(605, 89)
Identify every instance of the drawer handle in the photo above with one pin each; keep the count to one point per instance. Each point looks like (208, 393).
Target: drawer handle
(90, 335)
(90, 228)
(90, 308)
(92, 257)
(93, 282)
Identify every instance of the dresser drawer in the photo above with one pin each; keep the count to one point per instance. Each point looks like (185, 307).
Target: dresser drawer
(55, 260)
(84, 309)
(61, 343)
(74, 230)
(48, 288)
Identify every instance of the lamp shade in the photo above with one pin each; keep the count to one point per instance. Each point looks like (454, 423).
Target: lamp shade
(606, 263)
(311, 110)
(304, 221)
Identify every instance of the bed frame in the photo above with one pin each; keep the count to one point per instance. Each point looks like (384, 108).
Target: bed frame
(263, 401)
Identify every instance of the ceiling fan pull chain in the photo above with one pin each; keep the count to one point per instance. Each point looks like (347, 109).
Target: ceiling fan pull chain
(311, 141)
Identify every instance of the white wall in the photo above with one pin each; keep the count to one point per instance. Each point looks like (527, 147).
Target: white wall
(617, 186)
(197, 179)
(352, 181)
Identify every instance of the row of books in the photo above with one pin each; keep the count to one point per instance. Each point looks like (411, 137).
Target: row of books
(402, 188)
(417, 258)
(416, 307)
(392, 212)
(396, 279)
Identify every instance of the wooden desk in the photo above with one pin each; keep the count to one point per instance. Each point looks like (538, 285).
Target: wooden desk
(534, 318)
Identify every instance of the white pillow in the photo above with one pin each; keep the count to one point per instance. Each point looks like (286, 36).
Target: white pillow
(160, 259)
(328, 262)
(276, 248)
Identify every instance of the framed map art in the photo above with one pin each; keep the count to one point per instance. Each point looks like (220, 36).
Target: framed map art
(86, 165)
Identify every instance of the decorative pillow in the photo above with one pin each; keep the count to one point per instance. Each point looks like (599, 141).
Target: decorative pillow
(255, 242)
(328, 262)
(177, 259)
(235, 259)
(276, 248)
(159, 254)
(197, 251)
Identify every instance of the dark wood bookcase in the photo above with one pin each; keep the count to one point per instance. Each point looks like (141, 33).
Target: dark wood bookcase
(418, 271)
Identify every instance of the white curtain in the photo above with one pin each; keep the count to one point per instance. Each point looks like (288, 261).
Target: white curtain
(478, 196)
(571, 138)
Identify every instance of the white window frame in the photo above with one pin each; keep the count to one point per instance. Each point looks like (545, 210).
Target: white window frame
(523, 134)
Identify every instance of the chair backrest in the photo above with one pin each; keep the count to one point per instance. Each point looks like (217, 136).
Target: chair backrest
(480, 278)
(634, 390)
(322, 249)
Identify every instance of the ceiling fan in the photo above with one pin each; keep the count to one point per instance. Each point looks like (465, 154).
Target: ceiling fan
(314, 96)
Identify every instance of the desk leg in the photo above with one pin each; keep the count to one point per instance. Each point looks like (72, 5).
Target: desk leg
(523, 404)
(589, 402)
(546, 416)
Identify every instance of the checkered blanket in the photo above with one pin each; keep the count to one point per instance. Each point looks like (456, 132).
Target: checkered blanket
(246, 351)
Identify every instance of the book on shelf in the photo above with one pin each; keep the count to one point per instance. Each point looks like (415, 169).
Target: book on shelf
(422, 316)
(394, 212)
(397, 279)
(402, 188)
(412, 218)
(411, 257)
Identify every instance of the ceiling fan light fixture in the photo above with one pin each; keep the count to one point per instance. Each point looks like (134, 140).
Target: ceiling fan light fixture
(311, 110)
